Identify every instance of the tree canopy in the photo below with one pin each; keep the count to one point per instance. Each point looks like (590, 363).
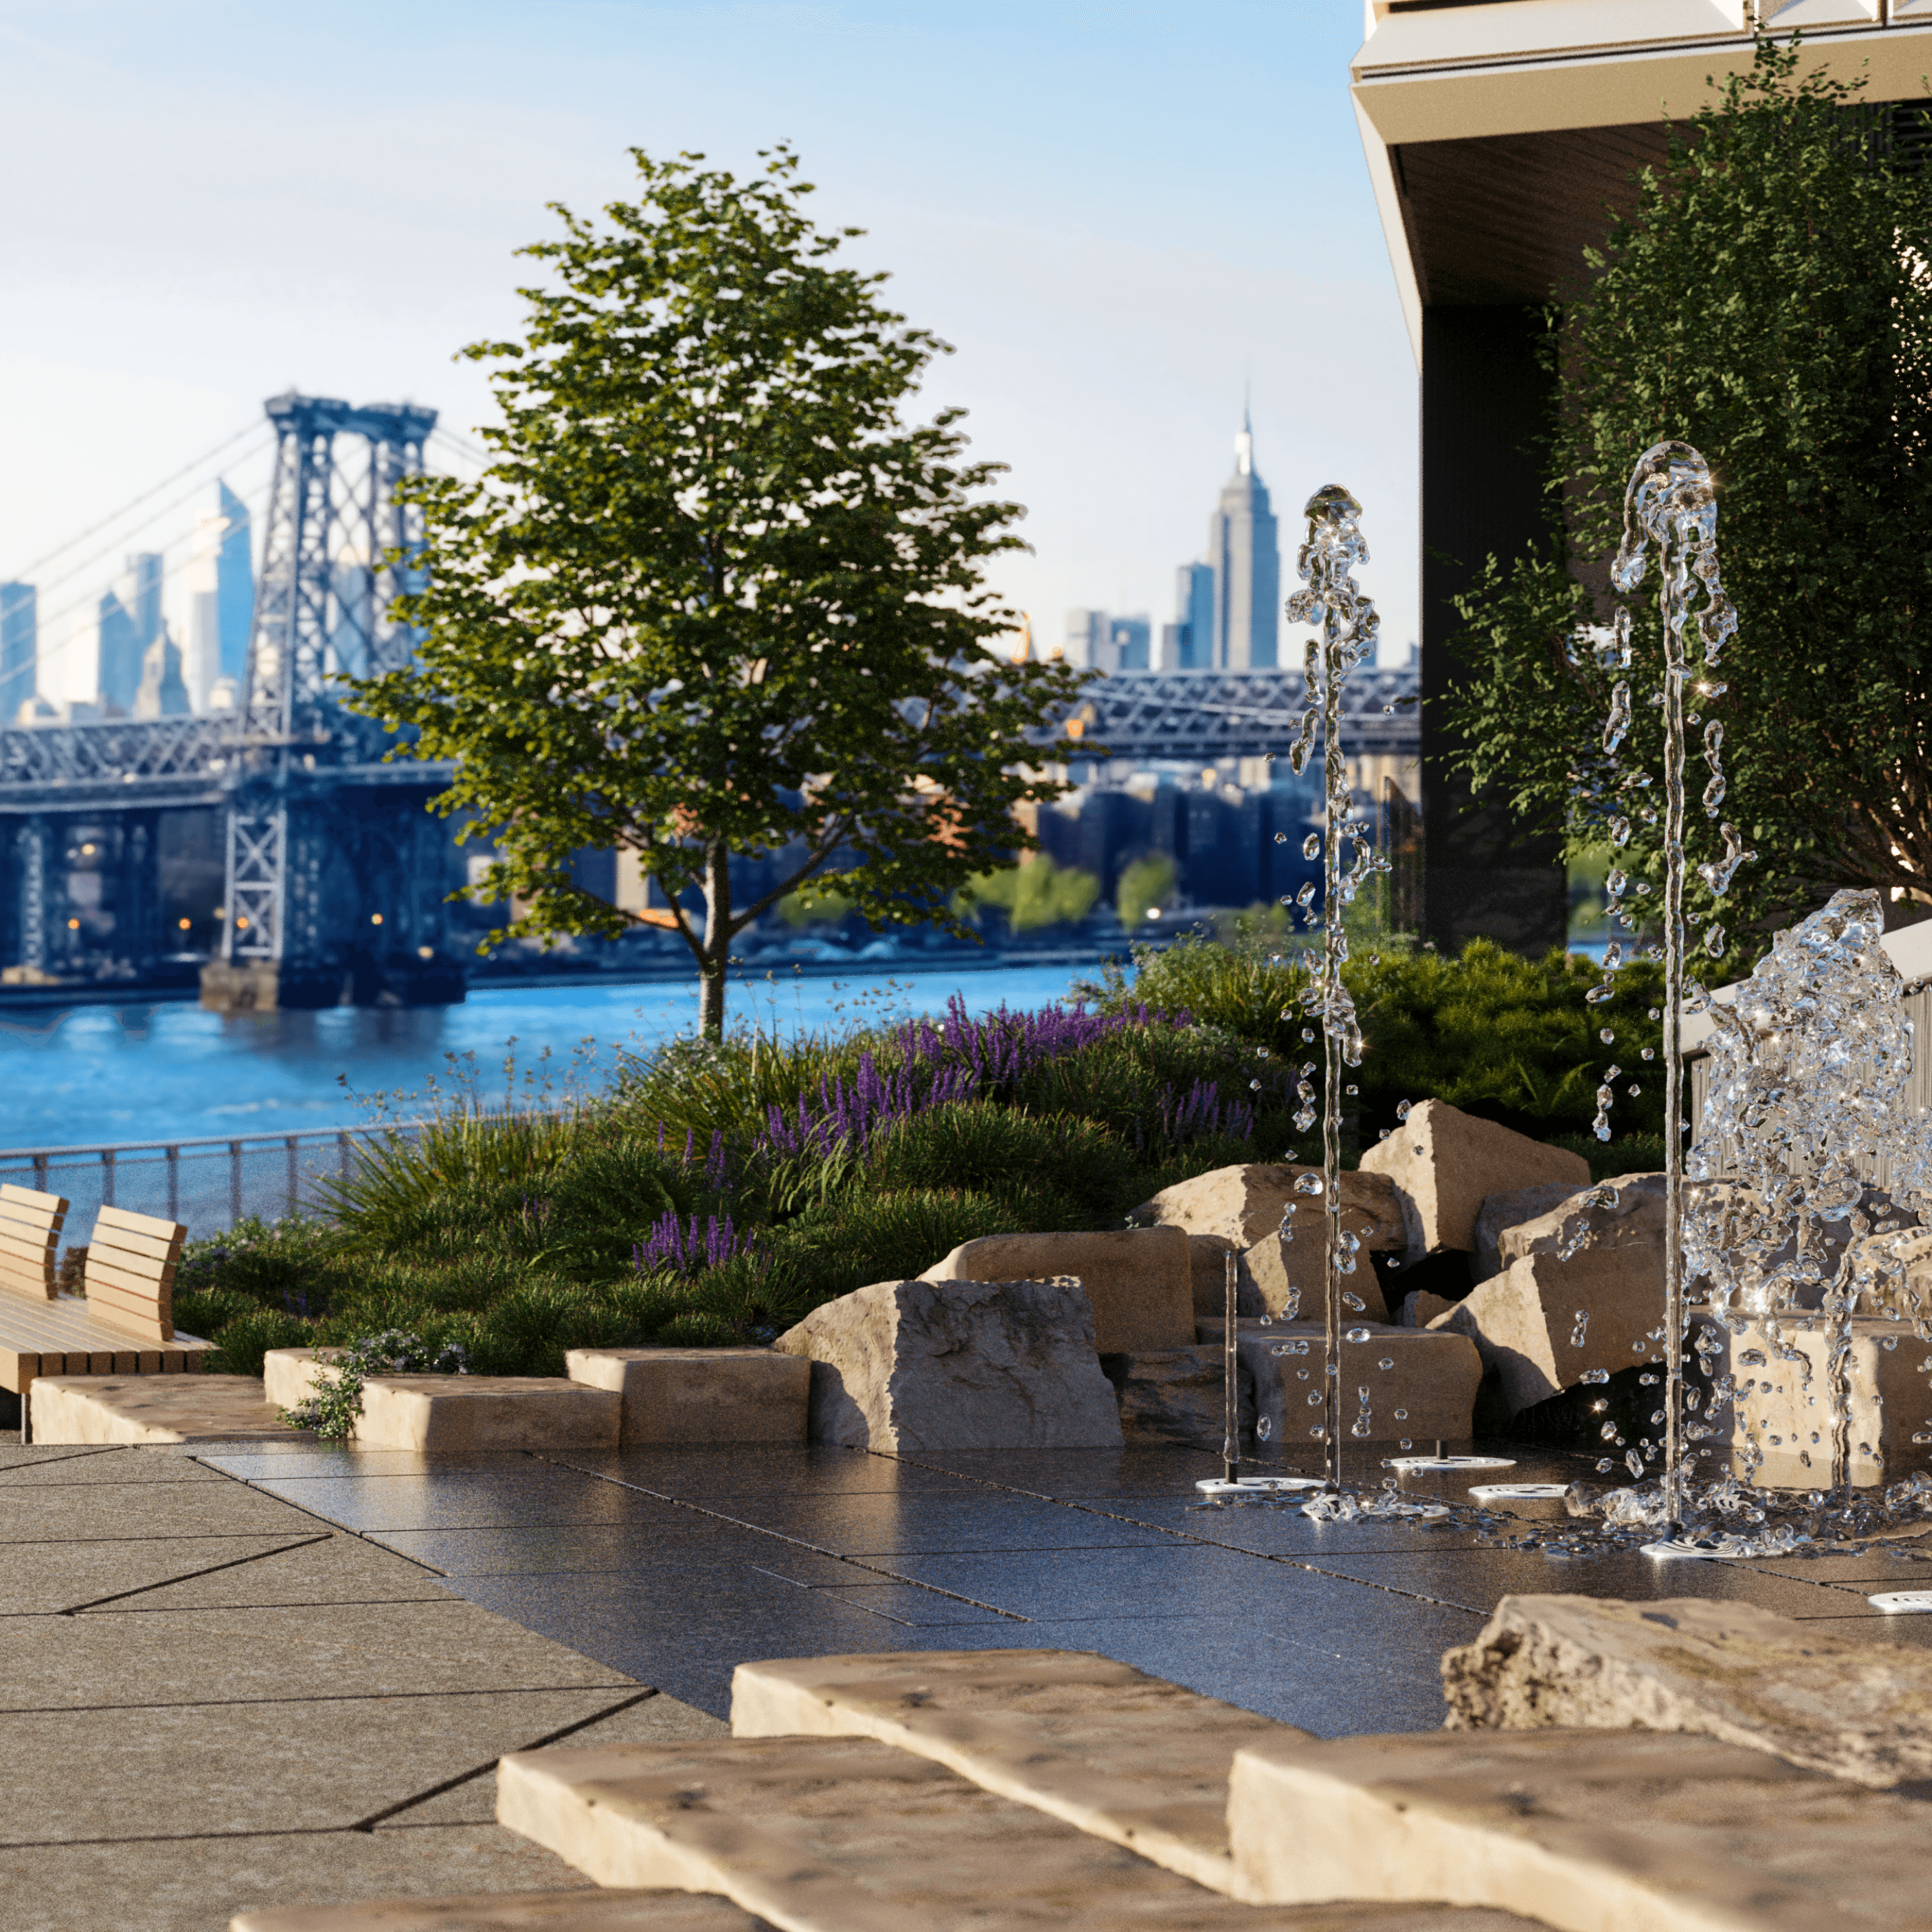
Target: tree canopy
(715, 595)
(1766, 298)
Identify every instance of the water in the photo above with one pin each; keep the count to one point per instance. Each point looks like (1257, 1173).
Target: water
(85, 1076)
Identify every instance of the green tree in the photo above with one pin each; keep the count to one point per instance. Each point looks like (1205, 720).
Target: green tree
(1145, 887)
(1766, 298)
(1037, 893)
(715, 595)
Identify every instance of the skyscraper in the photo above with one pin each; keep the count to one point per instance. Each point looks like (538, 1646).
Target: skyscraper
(1245, 556)
(220, 595)
(128, 619)
(1188, 643)
(20, 645)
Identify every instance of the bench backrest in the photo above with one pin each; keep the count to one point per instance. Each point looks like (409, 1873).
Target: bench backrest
(30, 1232)
(129, 1273)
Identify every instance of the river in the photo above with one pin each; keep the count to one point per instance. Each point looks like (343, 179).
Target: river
(87, 1076)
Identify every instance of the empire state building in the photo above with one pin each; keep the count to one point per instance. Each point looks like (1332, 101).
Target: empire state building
(1245, 558)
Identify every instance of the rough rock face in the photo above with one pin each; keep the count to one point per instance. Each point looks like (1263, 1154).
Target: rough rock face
(1427, 1389)
(1207, 1265)
(1636, 1221)
(1138, 1279)
(1244, 1203)
(912, 1365)
(1421, 1308)
(1445, 1164)
(1175, 1395)
(1290, 1278)
(1727, 1670)
(1543, 1322)
(1502, 1212)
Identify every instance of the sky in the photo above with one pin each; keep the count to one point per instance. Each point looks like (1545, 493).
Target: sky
(1121, 214)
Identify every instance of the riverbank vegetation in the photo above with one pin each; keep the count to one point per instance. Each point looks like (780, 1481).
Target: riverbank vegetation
(719, 1190)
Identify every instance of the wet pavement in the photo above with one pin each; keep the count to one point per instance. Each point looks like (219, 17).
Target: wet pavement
(673, 1566)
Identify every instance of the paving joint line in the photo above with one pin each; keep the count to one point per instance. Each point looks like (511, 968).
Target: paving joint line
(376, 1818)
(317, 1697)
(212, 1569)
(316, 1516)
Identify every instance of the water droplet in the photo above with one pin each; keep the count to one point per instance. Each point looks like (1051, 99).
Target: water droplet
(1358, 1335)
(1264, 1428)
(1606, 1035)
(1595, 1375)
(1311, 848)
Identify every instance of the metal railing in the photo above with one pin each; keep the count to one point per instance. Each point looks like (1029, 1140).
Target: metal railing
(208, 1184)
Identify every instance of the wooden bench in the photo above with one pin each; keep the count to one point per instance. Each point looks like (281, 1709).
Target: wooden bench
(123, 1326)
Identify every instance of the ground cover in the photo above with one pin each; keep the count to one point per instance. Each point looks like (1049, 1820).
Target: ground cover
(717, 1192)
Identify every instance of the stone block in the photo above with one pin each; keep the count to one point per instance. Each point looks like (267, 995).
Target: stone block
(586, 1910)
(1175, 1395)
(847, 1835)
(1728, 1670)
(1289, 1278)
(1501, 1212)
(293, 1376)
(909, 1365)
(151, 1409)
(486, 1412)
(1445, 1164)
(1426, 1393)
(700, 1395)
(1138, 1279)
(1580, 1830)
(1206, 1271)
(1421, 1308)
(1120, 1754)
(1543, 1322)
(1775, 1423)
(1242, 1204)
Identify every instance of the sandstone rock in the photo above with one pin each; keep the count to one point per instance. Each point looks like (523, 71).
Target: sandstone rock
(1138, 1279)
(909, 1365)
(1207, 1264)
(1244, 1203)
(474, 1413)
(1175, 1395)
(1421, 1308)
(1635, 1220)
(1775, 1422)
(1726, 1670)
(1290, 1278)
(1501, 1212)
(1445, 1164)
(1542, 1322)
(1426, 1392)
(152, 1408)
(700, 1395)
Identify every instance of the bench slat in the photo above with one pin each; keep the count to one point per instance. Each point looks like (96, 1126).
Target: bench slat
(150, 1280)
(28, 1204)
(28, 1247)
(141, 1224)
(140, 1318)
(22, 1278)
(119, 1240)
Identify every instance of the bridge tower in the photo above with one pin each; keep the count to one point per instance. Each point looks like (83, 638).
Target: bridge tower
(322, 615)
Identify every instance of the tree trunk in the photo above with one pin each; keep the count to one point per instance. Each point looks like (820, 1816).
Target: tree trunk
(711, 962)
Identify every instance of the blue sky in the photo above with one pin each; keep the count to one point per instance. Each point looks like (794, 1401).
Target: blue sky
(1117, 212)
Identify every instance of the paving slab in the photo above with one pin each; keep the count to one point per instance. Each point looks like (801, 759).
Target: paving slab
(856, 1526)
(303, 1455)
(74, 1463)
(463, 1498)
(845, 1834)
(197, 1884)
(321, 1763)
(1729, 1670)
(1582, 1830)
(244, 1654)
(1127, 1757)
(580, 1911)
(533, 1550)
(817, 1468)
(68, 1513)
(40, 1579)
(337, 1569)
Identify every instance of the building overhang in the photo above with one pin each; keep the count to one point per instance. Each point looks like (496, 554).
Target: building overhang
(1496, 131)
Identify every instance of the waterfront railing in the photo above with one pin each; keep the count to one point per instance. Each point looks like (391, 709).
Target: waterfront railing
(208, 1184)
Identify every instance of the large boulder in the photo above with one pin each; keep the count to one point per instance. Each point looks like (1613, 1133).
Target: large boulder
(1396, 1384)
(1501, 1213)
(913, 1365)
(1627, 1213)
(1176, 1395)
(1446, 1163)
(1138, 1279)
(1289, 1279)
(1244, 1203)
(1726, 1670)
(1543, 1323)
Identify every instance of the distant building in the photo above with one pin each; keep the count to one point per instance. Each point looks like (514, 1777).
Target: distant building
(219, 594)
(19, 647)
(162, 693)
(1129, 640)
(1188, 643)
(1244, 554)
(1086, 639)
(128, 620)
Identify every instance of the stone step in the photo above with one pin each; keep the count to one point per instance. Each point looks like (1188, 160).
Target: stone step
(576, 1911)
(674, 1395)
(1125, 1756)
(1583, 1830)
(847, 1835)
(139, 1409)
